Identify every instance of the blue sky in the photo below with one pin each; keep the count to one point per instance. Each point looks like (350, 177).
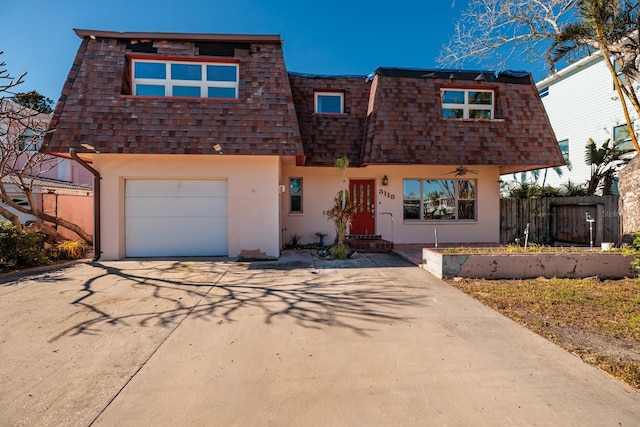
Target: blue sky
(328, 37)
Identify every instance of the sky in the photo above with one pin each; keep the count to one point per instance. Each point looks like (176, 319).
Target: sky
(334, 37)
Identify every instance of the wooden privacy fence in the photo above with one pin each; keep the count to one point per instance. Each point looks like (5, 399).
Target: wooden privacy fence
(561, 220)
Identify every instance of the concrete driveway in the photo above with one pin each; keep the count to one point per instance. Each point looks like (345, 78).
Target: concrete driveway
(300, 342)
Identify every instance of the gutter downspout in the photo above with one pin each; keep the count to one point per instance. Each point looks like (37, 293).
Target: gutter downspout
(96, 202)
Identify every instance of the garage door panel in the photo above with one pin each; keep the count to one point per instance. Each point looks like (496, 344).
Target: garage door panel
(173, 226)
(169, 217)
(162, 206)
(193, 248)
(177, 188)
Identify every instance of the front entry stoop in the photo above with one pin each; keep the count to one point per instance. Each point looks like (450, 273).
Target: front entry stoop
(369, 243)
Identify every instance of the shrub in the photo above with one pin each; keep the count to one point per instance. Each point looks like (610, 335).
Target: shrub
(70, 249)
(20, 249)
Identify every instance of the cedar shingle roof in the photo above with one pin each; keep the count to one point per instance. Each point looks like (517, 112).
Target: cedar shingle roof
(405, 123)
(391, 117)
(94, 107)
(326, 137)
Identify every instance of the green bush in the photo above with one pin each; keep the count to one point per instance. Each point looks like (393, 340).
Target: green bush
(20, 249)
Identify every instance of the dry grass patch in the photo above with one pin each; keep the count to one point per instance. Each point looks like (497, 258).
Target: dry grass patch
(599, 321)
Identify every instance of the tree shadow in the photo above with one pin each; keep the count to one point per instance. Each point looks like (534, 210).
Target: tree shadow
(227, 291)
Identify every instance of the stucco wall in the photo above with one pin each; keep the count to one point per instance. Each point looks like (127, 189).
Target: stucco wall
(629, 177)
(77, 209)
(320, 185)
(253, 208)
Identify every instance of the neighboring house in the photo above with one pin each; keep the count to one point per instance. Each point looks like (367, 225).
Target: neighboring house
(582, 103)
(204, 144)
(27, 136)
(61, 187)
(57, 198)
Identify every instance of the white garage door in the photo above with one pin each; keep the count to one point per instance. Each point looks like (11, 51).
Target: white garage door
(175, 217)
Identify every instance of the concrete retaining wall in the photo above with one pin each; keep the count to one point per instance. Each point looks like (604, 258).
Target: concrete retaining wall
(605, 265)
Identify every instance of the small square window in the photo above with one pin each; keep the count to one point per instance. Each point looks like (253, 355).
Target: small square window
(295, 195)
(329, 102)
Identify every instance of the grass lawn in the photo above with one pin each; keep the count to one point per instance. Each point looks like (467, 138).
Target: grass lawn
(597, 320)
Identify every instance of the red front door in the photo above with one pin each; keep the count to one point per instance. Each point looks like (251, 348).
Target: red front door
(362, 192)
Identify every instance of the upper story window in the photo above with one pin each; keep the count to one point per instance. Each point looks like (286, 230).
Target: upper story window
(564, 148)
(184, 79)
(31, 139)
(329, 102)
(622, 136)
(467, 103)
(543, 92)
(617, 66)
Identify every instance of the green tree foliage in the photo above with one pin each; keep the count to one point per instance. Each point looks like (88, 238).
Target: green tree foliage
(34, 101)
(611, 27)
(491, 32)
(19, 249)
(605, 163)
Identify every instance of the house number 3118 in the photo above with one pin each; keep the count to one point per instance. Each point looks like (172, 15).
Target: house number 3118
(385, 193)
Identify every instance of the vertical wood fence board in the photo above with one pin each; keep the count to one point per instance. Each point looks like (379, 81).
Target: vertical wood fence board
(560, 219)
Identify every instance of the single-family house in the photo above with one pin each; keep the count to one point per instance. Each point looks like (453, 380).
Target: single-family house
(60, 186)
(582, 104)
(205, 144)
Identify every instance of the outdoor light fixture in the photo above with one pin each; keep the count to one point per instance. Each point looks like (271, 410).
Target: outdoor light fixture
(88, 147)
(218, 148)
(385, 180)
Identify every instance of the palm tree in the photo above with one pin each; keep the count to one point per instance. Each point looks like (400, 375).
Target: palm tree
(610, 27)
(605, 163)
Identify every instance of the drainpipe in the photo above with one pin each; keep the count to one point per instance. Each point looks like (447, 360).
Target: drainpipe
(96, 202)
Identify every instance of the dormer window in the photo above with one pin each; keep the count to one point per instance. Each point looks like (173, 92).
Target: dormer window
(184, 78)
(329, 102)
(467, 103)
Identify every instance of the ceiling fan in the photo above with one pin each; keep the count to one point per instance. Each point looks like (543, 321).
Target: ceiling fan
(461, 171)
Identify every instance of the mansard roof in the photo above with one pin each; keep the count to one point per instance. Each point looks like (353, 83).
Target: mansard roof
(393, 116)
(96, 107)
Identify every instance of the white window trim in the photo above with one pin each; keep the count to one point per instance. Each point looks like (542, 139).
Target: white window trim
(320, 93)
(466, 107)
(169, 83)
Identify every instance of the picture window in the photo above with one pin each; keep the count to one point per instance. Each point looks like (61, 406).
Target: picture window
(184, 79)
(439, 199)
